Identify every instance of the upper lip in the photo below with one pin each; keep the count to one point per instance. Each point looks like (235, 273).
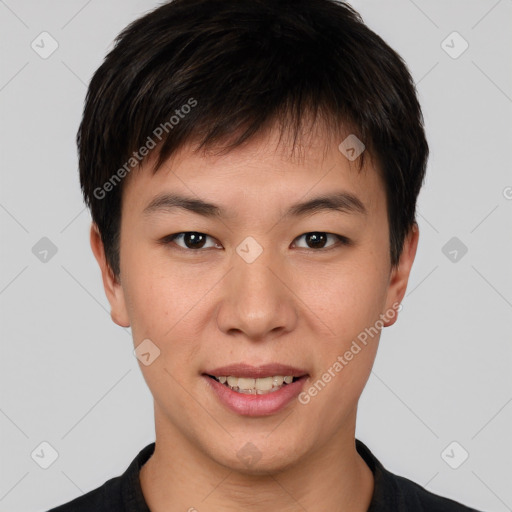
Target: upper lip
(254, 372)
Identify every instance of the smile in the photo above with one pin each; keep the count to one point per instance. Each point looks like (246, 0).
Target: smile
(259, 386)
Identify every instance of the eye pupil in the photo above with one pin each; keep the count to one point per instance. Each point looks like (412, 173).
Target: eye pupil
(191, 239)
(316, 239)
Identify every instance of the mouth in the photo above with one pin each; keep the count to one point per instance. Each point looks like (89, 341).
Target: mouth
(255, 391)
(259, 386)
(251, 380)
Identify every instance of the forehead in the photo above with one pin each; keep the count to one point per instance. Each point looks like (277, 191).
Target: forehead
(264, 172)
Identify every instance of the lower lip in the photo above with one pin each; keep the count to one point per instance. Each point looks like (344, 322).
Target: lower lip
(256, 405)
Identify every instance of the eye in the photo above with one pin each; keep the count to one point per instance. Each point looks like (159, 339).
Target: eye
(317, 240)
(194, 240)
(191, 240)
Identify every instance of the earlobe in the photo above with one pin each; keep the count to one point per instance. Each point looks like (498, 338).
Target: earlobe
(113, 289)
(400, 275)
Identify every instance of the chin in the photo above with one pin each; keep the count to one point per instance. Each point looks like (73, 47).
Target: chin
(260, 457)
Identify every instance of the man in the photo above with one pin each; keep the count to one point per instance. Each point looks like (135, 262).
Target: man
(252, 170)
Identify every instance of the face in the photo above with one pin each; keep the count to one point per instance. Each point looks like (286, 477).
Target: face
(256, 283)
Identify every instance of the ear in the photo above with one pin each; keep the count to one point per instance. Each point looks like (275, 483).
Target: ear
(113, 288)
(400, 275)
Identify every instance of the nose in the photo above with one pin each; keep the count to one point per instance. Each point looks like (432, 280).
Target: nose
(257, 299)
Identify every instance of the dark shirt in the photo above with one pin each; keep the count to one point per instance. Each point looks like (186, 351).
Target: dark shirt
(392, 493)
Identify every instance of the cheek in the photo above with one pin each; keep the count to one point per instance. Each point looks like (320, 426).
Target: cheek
(166, 304)
(158, 305)
(152, 292)
(350, 307)
(162, 312)
(345, 298)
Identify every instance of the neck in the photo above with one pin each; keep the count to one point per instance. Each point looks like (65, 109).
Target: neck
(179, 476)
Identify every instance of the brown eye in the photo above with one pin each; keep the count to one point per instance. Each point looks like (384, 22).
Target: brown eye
(191, 240)
(318, 239)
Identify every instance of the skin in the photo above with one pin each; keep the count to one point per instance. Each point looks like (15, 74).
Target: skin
(295, 304)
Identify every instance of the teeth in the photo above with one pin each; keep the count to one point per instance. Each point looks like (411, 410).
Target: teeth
(264, 384)
(232, 381)
(277, 381)
(255, 386)
(246, 383)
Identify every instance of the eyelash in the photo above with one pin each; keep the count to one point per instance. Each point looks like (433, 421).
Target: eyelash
(169, 239)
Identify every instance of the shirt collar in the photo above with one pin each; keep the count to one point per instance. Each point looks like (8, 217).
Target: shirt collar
(385, 491)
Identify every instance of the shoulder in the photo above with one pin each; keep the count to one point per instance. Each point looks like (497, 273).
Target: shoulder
(117, 494)
(102, 499)
(399, 494)
(412, 496)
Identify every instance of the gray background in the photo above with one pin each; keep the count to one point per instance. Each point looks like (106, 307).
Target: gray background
(68, 375)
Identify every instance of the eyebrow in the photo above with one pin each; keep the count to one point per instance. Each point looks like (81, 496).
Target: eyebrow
(344, 202)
